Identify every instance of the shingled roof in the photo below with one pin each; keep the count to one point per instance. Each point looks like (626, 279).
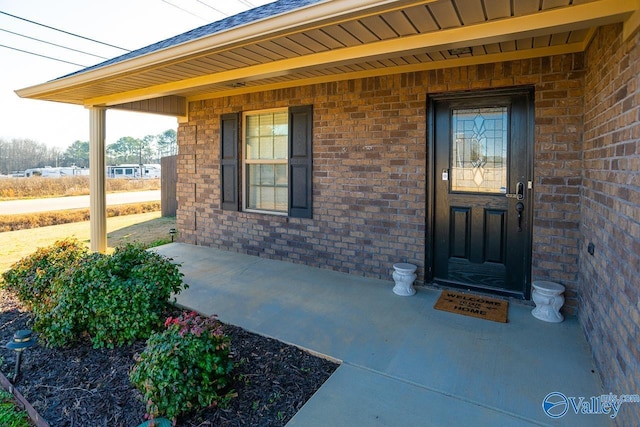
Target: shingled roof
(243, 18)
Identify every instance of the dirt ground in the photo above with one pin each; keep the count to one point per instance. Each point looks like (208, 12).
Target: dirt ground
(82, 386)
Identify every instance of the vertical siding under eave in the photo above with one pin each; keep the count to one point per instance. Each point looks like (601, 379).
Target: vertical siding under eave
(370, 170)
(168, 183)
(171, 105)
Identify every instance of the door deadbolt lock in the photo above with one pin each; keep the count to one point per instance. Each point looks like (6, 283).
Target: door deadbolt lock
(519, 209)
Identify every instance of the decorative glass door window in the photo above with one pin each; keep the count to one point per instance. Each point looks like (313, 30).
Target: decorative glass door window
(265, 161)
(479, 150)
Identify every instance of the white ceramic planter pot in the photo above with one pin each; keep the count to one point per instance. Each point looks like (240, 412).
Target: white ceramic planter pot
(404, 276)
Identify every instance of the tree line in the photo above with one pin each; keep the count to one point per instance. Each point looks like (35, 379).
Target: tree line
(21, 154)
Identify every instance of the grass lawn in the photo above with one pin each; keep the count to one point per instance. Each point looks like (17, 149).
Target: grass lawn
(145, 228)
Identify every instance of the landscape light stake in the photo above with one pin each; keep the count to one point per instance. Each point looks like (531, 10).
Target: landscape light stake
(173, 232)
(21, 341)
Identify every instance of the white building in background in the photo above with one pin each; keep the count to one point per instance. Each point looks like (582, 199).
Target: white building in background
(134, 171)
(51, 172)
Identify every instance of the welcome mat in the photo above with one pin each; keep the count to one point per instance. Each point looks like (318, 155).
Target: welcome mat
(473, 305)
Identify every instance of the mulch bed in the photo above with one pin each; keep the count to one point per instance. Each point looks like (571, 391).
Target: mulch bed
(83, 386)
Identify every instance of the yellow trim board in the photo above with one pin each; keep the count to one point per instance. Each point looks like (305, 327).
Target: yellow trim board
(436, 65)
(554, 20)
(632, 23)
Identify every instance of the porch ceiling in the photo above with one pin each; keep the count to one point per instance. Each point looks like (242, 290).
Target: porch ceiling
(335, 40)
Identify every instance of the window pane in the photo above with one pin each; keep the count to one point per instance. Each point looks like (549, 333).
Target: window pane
(266, 139)
(253, 175)
(266, 124)
(479, 150)
(281, 176)
(282, 201)
(280, 147)
(253, 123)
(266, 136)
(267, 199)
(253, 147)
(254, 195)
(267, 187)
(266, 147)
(281, 124)
(267, 175)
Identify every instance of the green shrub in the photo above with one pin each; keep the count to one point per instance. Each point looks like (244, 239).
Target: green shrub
(59, 319)
(31, 277)
(114, 299)
(185, 367)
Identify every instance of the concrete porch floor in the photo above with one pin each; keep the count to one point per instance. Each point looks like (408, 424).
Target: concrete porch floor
(403, 362)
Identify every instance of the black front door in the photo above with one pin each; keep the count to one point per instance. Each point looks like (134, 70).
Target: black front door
(481, 206)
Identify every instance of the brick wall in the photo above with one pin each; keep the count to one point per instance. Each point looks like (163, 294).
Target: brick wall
(558, 174)
(369, 180)
(370, 170)
(610, 279)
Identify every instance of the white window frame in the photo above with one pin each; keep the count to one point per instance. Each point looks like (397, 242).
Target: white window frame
(245, 162)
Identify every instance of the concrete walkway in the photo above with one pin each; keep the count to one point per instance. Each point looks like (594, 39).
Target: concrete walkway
(403, 362)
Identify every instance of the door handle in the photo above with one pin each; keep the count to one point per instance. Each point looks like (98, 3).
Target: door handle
(519, 209)
(519, 194)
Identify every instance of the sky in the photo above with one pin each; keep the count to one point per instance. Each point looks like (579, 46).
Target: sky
(129, 24)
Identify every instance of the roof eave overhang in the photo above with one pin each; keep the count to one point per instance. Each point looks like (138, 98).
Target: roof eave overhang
(587, 15)
(305, 17)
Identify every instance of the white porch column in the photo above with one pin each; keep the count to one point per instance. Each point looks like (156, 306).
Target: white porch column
(97, 187)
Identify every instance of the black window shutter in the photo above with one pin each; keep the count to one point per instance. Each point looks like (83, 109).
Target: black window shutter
(300, 161)
(229, 161)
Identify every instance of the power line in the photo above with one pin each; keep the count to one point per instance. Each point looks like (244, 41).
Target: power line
(52, 44)
(245, 3)
(63, 31)
(211, 7)
(42, 56)
(184, 10)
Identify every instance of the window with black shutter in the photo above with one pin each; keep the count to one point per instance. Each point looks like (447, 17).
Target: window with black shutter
(275, 164)
(229, 161)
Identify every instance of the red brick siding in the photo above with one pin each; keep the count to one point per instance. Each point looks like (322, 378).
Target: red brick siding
(370, 170)
(610, 279)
